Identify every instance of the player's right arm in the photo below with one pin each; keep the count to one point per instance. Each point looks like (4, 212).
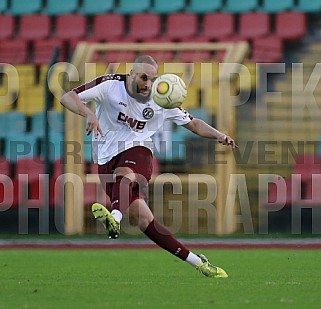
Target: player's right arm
(72, 102)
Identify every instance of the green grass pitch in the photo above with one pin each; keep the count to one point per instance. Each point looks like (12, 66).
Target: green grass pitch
(142, 278)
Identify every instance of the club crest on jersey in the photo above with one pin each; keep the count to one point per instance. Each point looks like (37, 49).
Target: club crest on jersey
(148, 113)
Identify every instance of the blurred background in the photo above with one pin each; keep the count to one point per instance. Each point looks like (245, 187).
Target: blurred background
(277, 112)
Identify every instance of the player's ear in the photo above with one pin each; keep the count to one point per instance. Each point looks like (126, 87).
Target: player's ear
(132, 73)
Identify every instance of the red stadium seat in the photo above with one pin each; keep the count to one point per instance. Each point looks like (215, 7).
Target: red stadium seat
(307, 165)
(194, 55)
(290, 25)
(267, 49)
(181, 25)
(217, 26)
(14, 51)
(144, 26)
(253, 25)
(34, 27)
(33, 167)
(71, 26)
(160, 55)
(7, 26)
(102, 29)
(43, 51)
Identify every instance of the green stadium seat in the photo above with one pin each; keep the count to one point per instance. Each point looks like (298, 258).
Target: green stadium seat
(3, 6)
(59, 7)
(275, 6)
(132, 7)
(232, 6)
(308, 6)
(55, 122)
(204, 6)
(90, 7)
(13, 122)
(20, 145)
(168, 6)
(19, 7)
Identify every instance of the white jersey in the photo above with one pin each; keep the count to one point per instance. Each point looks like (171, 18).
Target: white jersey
(124, 121)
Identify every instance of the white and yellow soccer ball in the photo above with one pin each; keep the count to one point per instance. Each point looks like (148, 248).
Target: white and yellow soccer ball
(169, 91)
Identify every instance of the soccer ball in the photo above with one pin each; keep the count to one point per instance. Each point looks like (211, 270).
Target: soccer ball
(169, 91)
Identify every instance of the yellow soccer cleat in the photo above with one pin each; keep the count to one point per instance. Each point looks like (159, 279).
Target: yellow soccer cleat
(210, 270)
(102, 214)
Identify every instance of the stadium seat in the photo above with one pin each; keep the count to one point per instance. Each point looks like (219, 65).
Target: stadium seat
(267, 49)
(71, 26)
(4, 167)
(253, 25)
(96, 7)
(180, 26)
(307, 165)
(102, 31)
(34, 27)
(217, 26)
(133, 7)
(56, 146)
(3, 6)
(232, 6)
(59, 7)
(160, 55)
(191, 56)
(168, 6)
(308, 6)
(13, 122)
(144, 26)
(290, 25)
(204, 6)
(14, 51)
(54, 119)
(43, 51)
(275, 6)
(21, 146)
(33, 167)
(7, 27)
(19, 7)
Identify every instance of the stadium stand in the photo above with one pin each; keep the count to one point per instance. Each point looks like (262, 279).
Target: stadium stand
(89, 7)
(14, 51)
(19, 7)
(132, 7)
(204, 6)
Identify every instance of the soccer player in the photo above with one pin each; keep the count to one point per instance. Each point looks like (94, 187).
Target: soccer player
(125, 119)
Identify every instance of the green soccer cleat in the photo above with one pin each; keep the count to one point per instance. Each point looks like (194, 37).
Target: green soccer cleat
(209, 270)
(104, 216)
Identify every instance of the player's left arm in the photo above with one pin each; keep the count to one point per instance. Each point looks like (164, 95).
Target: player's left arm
(203, 129)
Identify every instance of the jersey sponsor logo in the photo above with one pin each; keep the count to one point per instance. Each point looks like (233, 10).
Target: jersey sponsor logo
(133, 123)
(122, 103)
(148, 113)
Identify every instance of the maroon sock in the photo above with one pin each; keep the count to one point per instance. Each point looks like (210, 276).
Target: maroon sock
(160, 235)
(121, 194)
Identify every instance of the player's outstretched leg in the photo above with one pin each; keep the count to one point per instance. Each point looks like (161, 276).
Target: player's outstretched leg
(210, 270)
(102, 214)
